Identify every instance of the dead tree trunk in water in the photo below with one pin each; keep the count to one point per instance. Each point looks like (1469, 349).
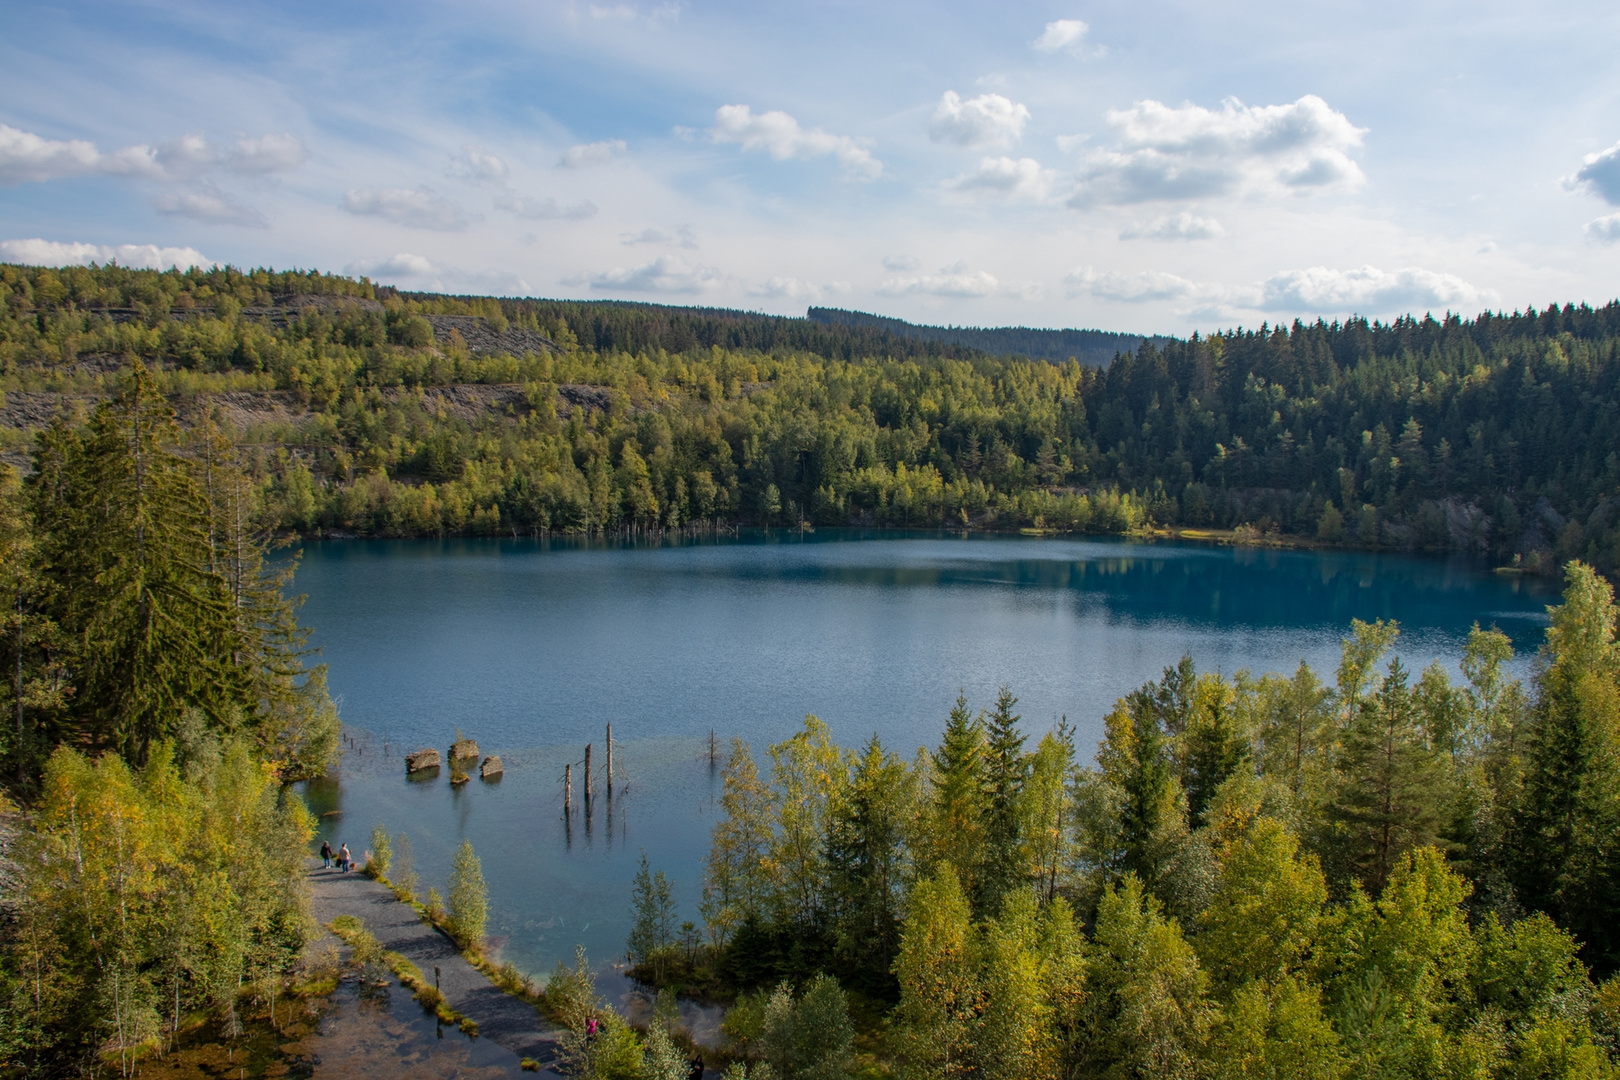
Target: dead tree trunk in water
(610, 762)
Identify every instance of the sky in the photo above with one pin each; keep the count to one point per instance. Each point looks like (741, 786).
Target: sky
(1132, 166)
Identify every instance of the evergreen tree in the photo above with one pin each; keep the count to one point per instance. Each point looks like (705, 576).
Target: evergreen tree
(1565, 860)
(1211, 746)
(1002, 864)
(125, 540)
(1391, 788)
(866, 860)
(956, 831)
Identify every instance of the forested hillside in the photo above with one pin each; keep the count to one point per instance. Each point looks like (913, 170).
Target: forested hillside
(379, 412)
(1094, 347)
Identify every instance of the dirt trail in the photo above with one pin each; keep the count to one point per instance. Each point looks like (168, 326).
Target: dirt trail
(501, 1018)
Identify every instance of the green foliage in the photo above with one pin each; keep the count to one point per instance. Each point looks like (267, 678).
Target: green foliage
(1277, 877)
(652, 928)
(380, 856)
(146, 895)
(1564, 859)
(469, 898)
(141, 592)
(662, 1059)
(809, 1038)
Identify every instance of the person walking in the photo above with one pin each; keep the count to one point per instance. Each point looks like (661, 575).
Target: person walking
(345, 861)
(326, 854)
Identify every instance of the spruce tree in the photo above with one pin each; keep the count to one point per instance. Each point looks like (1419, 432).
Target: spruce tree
(1563, 855)
(126, 543)
(957, 810)
(1391, 786)
(1002, 866)
(866, 864)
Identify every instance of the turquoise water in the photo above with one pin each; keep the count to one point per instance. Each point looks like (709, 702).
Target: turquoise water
(532, 648)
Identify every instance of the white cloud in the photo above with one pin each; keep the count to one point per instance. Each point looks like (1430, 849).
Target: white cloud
(952, 281)
(1136, 288)
(785, 288)
(187, 155)
(587, 154)
(1368, 290)
(1182, 226)
(1061, 34)
(780, 135)
(1020, 180)
(617, 12)
(682, 237)
(479, 166)
(266, 153)
(209, 205)
(420, 272)
(1171, 153)
(418, 208)
(37, 252)
(665, 274)
(1600, 175)
(1604, 230)
(987, 120)
(26, 158)
(901, 263)
(547, 209)
(401, 265)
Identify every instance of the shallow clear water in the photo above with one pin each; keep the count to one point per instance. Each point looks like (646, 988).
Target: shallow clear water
(532, 648)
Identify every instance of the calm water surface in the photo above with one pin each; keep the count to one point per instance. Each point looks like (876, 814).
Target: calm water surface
(533, 648)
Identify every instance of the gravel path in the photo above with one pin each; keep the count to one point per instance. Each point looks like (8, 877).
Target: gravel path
(501, 1018)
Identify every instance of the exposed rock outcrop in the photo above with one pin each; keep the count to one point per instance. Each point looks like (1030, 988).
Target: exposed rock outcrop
(491, 768)
(422, 759)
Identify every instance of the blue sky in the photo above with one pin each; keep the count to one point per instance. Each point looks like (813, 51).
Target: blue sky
(1132, 166)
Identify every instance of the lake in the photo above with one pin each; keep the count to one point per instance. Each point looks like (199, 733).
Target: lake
(534, 647)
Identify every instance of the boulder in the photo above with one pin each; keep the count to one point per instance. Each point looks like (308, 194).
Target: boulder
(462, 749)
(491, 767)
(422, 759)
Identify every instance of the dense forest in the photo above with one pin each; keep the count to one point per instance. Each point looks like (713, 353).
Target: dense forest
(1094, 347)
(367, 410)
(158, 698)
(1386, 875)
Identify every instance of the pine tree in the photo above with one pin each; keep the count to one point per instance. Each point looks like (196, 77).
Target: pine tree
(1562, 838)
(1212, 745)
(866, 865)
(1391, 787)
(125, 530)
(956, 826)
(1003, 866)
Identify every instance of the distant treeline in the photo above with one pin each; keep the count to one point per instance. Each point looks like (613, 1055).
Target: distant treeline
(381, 412)
(1094, 347)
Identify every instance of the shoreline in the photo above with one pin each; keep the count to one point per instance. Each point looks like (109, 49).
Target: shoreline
(501, 1018)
